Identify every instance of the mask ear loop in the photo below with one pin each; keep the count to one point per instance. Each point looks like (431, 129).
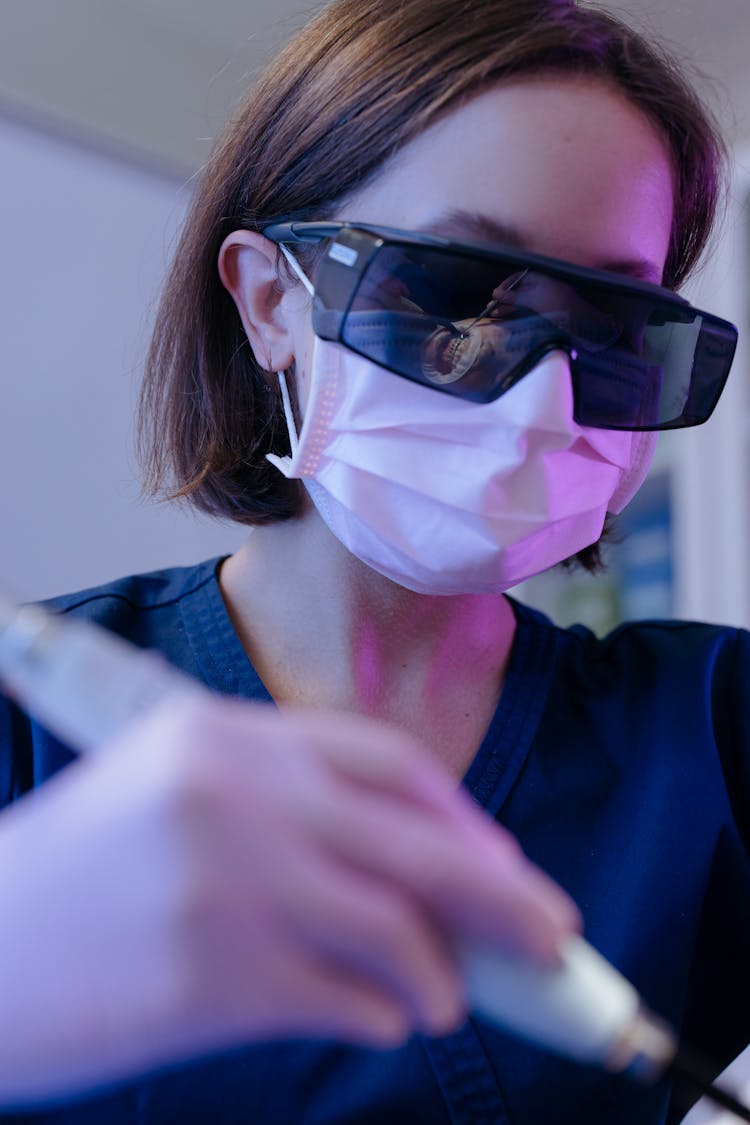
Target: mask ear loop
(297, 268)
(281, 375)
(289, 415)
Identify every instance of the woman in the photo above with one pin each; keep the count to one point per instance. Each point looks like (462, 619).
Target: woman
(413, 337)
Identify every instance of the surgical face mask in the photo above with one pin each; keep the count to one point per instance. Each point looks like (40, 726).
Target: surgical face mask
(447, 496)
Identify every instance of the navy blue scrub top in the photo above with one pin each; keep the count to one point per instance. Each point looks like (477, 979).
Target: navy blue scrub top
(621, 764)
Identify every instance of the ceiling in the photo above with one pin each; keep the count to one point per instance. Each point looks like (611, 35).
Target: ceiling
(156, 78)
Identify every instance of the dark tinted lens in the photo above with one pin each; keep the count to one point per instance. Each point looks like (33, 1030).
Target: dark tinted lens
(666, 370)
(472, 327)
(615, 390)
(456, 322)
(714, 352)
(695, 353)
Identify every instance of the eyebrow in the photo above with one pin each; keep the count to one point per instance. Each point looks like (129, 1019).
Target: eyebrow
(470, 225)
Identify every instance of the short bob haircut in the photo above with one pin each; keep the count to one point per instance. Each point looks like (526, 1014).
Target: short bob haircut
(358, 83)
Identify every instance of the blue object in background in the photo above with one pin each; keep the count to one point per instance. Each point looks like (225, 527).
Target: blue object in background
(642, 560)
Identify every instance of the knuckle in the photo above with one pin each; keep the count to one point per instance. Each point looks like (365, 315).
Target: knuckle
(394, 925)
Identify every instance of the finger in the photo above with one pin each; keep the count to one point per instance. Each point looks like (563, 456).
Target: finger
(327, 1000)
(488, 889)
(373, 930)
(476, 882)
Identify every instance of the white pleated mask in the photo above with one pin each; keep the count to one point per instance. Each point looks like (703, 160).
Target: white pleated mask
(445, 496)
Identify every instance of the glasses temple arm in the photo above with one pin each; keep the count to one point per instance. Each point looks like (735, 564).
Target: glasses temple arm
(301, 232)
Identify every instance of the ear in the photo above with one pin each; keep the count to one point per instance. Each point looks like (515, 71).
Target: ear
(247, 268)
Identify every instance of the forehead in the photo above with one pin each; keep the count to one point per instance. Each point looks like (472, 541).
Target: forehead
(567, 163)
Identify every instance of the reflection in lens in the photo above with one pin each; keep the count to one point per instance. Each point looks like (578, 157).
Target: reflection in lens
(449, 354)
(483, 355)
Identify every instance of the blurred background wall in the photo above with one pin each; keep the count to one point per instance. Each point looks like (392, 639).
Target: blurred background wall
(107, 111)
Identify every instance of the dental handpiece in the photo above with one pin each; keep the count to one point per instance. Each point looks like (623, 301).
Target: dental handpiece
(86, 685)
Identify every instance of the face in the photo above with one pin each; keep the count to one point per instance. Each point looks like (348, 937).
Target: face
(563, 166)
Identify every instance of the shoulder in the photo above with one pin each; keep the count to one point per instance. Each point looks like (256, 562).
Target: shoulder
(668, 658)
(135, 603)
(666, 696)
(663, 678)
(137, 593)
(641, 648)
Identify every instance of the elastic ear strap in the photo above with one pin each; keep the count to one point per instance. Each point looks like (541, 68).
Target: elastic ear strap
(297, 269)
(288, 412)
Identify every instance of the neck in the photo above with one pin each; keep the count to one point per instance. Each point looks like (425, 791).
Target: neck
(323, 629)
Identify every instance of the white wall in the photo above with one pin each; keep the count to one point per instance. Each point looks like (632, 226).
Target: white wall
(711, 462)
(85, 238)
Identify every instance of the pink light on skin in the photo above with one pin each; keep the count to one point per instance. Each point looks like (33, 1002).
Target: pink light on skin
(464, 647)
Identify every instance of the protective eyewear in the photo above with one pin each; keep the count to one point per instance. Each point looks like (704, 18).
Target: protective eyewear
(471, 320)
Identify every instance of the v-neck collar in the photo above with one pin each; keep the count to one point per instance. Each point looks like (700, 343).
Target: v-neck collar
(460, 1062)
(225, 667)
(510, 735)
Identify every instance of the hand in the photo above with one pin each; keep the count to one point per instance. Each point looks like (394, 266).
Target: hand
(225, 872)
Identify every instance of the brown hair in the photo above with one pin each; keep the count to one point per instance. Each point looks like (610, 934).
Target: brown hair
(361, 80)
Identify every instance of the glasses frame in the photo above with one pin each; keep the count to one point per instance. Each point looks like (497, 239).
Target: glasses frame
(352, 247)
